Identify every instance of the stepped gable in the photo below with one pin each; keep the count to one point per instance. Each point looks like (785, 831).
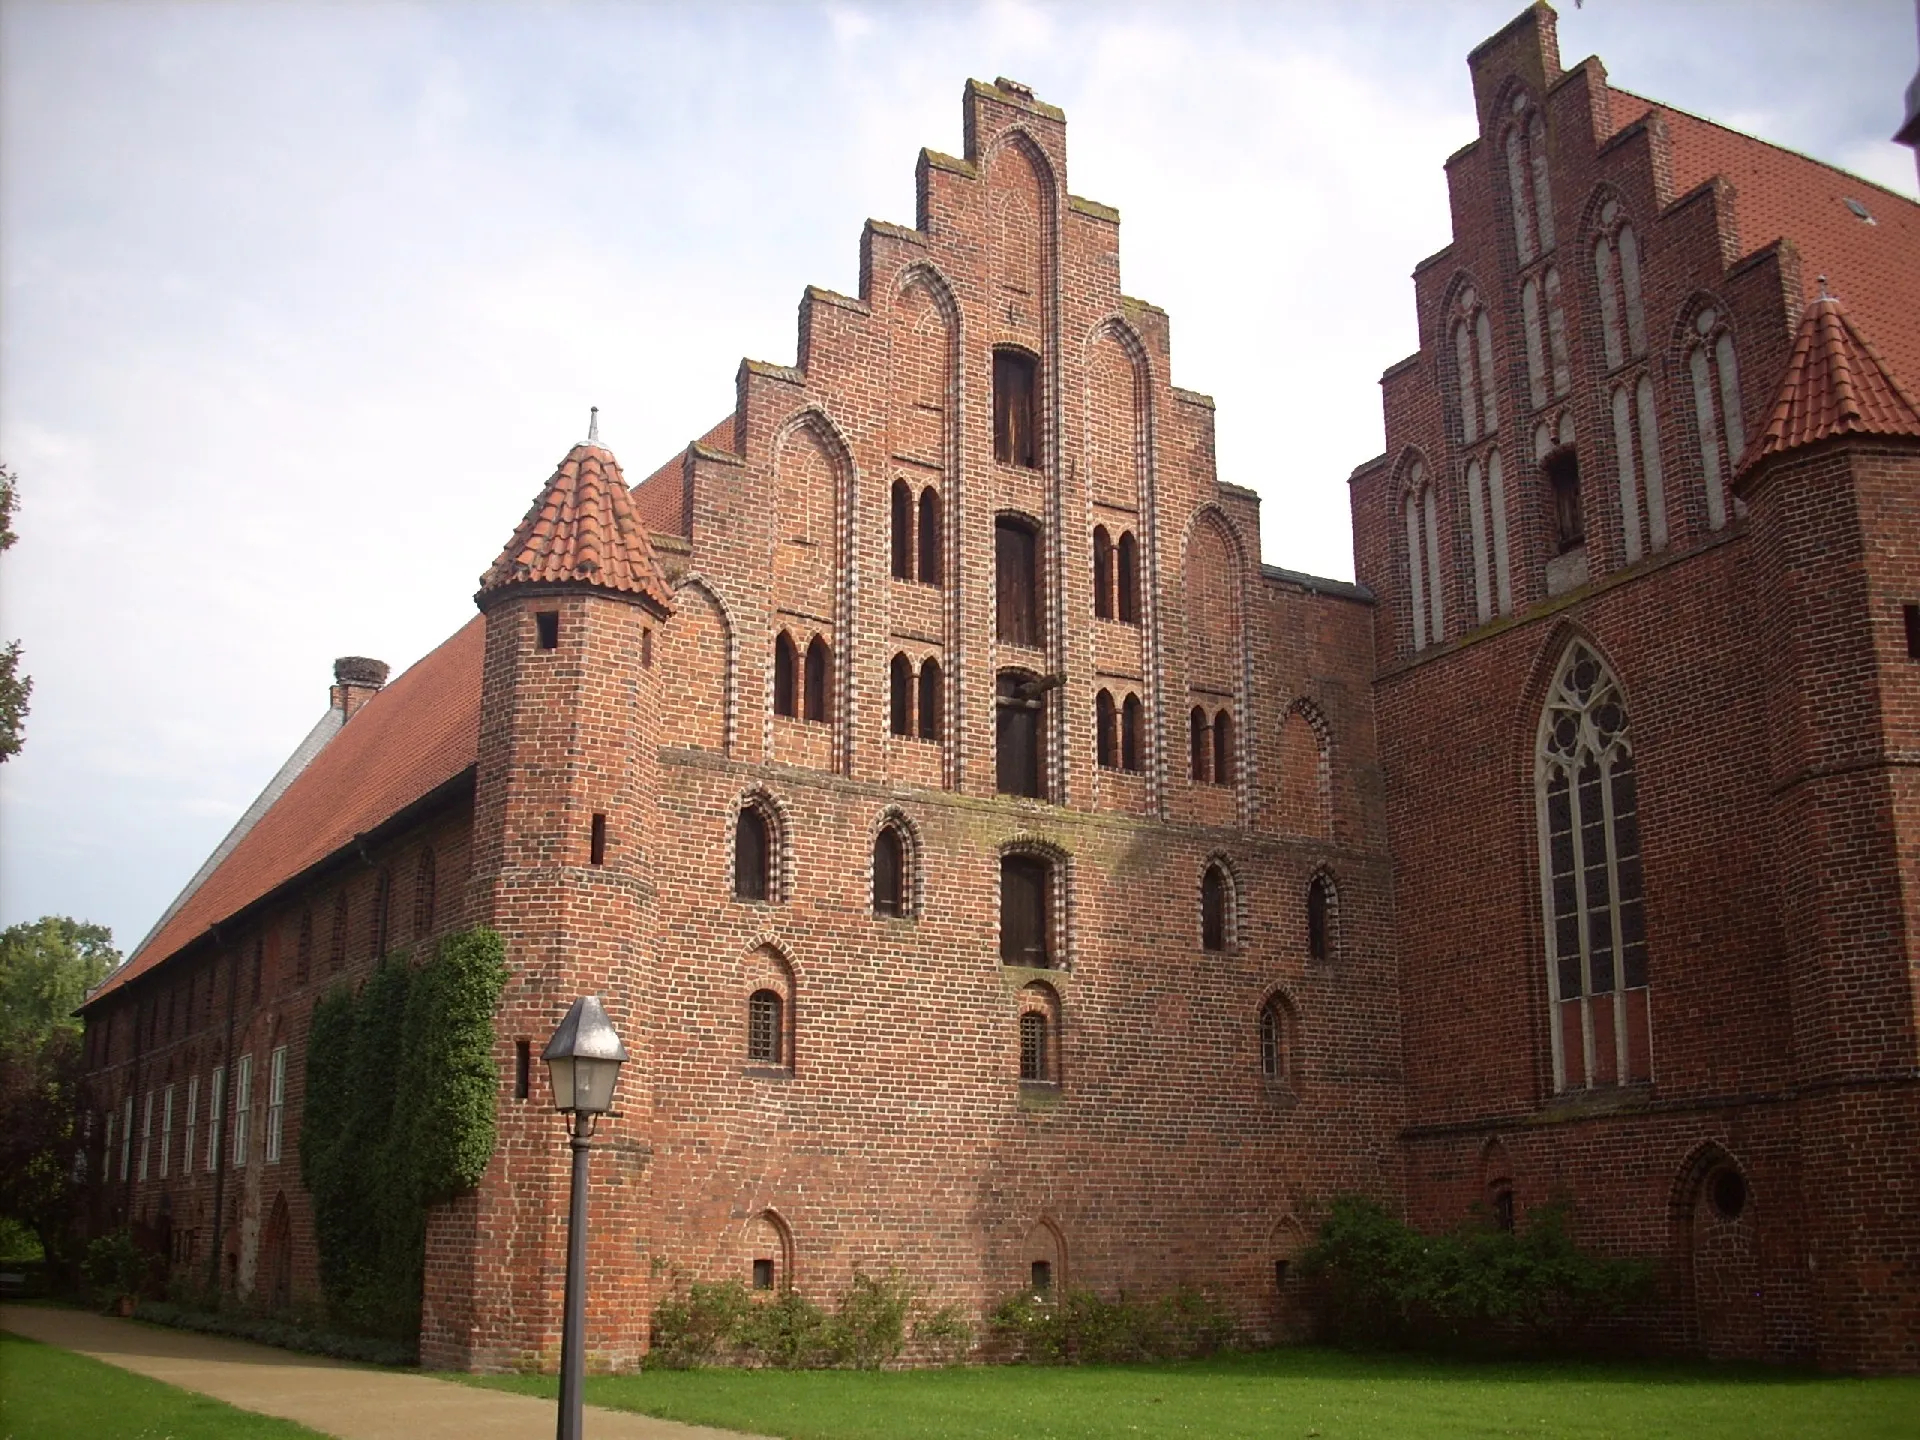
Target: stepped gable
(1835, 385)
(583, 530)
(661, 498)
(417, 734)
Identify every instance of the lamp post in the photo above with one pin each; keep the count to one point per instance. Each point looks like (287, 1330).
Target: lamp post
(583, 1062)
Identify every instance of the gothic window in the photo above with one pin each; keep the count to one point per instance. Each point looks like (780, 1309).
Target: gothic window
(1421, 511)
(889, 872)
(1562, 469)
(1716, 408)
(1130, 735)
(1215, 901)
(1026, 883)
(931, 569)
(1016, 384)
(1479, 410)
(1127, 579)
(1528, 189)
(1636, 436)
(378, 922)
(1102, 573)
(1549, 373)
(1487, 516)
(929, 699)
(1590, 861)
(426, 878)
(1223, 753)
(1276, 1041)
(1106, 740)
(1616, 273)
(337, 940)
(302, 956)
(1319, 918)
(819, 697)
(765, 1028)
(785, 663)
(1199, 746)
(1016, 563)
(1019, 712)
(900, 696)
(752, 854)
(902, 531)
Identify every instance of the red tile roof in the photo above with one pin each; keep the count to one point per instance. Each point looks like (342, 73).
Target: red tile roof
(583, 530)
(661, 498)
(1778, 193)
(415, 735)
(1834, 385)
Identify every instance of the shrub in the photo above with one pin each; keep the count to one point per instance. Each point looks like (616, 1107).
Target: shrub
(283, 1333)
(1376, 1282)
(707, 1324)
(116, 1266)
(1082, 1328)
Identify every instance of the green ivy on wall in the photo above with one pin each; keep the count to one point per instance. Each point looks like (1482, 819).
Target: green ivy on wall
(401, 1088)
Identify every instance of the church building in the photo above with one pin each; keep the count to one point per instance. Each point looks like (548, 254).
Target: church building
(997, 872)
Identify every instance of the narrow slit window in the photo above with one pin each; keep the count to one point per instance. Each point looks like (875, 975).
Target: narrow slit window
(764, 1015)
(902, 531)
(1127, 579)
(1318, 906)
(1223, 748)
(930, 695)
(426, 884)
(1130, 735)
(819, 698)
(1102, 573)
(889, 873)
(646, 649)
(750, 844)
(1106, 750)
(931, 568)
(522, 1068)
(1199, 746)
(1213, 909)
(597, 841)
(1015, 392)
(547, 624)
(1273, 1042)
(1912, 615)
(784, 666)
(1562, 468)
(900, 696)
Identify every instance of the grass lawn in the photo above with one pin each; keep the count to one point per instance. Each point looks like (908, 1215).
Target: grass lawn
(1275, 1395)
(52, 1394)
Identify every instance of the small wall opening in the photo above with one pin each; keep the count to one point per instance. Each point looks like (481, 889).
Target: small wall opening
(1040, 1275)
(1016, 384)
(1912, 613)
(546, 624)
(1562, 469)
(522, 1068)
(597, 841)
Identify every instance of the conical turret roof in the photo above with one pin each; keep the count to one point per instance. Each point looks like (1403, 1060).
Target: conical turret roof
(1835, 385)
(582, 530)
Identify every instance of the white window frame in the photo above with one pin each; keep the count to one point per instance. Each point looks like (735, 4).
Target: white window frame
(193, 1115)
(126, 1141)
(146, 1137)
(216, 1115)
(242, 1108)
(166, 1131)
(276, 1101)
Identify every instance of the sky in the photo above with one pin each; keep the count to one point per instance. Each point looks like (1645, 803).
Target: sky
(300, 304)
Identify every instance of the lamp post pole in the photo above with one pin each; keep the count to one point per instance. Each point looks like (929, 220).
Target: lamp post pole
(573, 1325)
(583, 1061)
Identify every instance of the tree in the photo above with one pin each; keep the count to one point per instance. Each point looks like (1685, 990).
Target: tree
(14, 687)
(46, 968)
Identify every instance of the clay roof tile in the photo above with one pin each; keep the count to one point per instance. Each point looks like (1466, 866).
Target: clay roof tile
(583, 530)
(1835, 385)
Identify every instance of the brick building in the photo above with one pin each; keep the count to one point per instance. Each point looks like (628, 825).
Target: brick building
(998, 872)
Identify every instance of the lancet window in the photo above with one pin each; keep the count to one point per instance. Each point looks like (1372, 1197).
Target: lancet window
(1716, 407)
(1616, 273)
(1421, 511)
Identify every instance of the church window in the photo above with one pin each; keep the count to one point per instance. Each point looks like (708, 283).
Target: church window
(1215, 902)
(1130, 735)
(764, 1028)
(1223, 753)
(931, 568)
(426, 876)
(1016, 377)
(785, 663)
(546, 624)
(1635, 437)
(930, 696)
(900, 696)
(1421, 511)
(1590, 849)
(1019, 713)
(1319, 918)
(1106, 740)
(1199, 746)
(1016, 560)
(902, 531)
(596, 840)
(1127, 579)
(1562, 469)
(1719, 426)
(889, 872)
(819, 697)
(1102, 573)
(752, 854)
(1026, 882)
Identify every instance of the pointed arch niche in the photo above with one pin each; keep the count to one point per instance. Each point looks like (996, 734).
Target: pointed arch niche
(1591, 890)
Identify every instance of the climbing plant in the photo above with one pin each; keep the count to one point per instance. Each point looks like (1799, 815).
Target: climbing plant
(401, 1088)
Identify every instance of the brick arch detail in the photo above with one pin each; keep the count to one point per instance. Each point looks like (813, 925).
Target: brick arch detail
(780, 872)
(847, 595)
(730, 683)
(1061, 859)
(913, 847)
(1236, 913)
(1245, 767)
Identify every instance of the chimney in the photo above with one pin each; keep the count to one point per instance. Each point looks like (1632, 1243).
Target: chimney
(356, 680)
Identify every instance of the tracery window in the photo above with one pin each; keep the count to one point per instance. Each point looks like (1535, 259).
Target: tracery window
(1591, 879)
(1421, 511)
(1616, 273)
(1716, 408)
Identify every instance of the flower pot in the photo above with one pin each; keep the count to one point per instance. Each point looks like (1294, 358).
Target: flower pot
(123, 1307)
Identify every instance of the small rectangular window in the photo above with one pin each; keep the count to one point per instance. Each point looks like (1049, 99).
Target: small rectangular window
(597, 844)
(1913, 631)
(1015, 409)
(547, 623)
(1042, 1276)
(763, 1274)
(1280, 1274)
(522, 1066)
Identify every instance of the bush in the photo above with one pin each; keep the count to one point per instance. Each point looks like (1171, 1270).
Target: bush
(867, 1329)
(116, 1266)
(283, 1333)
(1376, 1282)
(1081, 1328)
